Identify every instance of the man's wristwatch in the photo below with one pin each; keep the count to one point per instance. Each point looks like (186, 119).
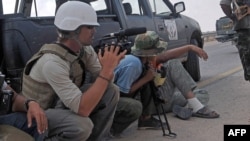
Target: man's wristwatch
(26, 103)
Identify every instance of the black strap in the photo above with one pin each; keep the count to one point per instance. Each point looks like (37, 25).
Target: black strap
(66, 48)
(79, 58)
(30, 65)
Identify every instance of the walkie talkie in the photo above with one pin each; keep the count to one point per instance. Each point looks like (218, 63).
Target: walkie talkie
(5, 98)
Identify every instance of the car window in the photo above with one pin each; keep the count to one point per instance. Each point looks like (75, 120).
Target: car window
(159, 7)
(41, 8)
(132, 7)
(9, 6)
(175, 1)
(102, 7)
(99, 5)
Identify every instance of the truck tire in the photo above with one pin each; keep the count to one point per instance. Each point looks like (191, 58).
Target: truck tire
(192, 64)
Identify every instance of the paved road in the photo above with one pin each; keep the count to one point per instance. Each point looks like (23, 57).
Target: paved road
(229, 95)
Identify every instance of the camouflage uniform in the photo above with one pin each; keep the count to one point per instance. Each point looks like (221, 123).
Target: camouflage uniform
(242, 27)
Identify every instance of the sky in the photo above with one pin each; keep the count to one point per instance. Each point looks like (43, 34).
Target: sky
(206, 12)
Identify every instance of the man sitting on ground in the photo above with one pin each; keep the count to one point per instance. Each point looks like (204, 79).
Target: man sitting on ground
(149, 51)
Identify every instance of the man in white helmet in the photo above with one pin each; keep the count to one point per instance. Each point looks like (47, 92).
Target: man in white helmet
(54, 78)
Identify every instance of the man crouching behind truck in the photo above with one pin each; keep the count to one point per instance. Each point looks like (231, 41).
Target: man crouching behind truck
(54, 77)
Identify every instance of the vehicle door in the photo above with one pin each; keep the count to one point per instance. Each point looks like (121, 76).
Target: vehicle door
(137, 14)
(169, 24)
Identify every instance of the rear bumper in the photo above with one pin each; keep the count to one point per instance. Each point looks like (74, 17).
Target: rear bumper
(225, 38)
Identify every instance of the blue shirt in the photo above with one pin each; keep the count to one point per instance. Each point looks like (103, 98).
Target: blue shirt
(127, 72)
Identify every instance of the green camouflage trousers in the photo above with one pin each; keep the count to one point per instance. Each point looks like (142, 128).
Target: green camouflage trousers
(243, 45)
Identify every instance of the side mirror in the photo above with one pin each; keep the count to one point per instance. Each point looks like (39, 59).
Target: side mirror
(179, 7)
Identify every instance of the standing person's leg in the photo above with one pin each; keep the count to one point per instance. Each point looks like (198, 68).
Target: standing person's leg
(128, 110)
(243, 46)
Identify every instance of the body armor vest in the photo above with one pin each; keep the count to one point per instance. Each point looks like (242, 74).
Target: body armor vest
(43, 93)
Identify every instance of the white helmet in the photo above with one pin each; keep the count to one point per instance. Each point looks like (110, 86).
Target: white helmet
(73, 14)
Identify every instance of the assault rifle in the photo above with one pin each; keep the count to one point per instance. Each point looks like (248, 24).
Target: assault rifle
(5, 98)
(158, 105)
(241, 11)
(158, 101)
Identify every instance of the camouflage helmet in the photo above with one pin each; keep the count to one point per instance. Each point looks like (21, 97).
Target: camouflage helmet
(148, 44)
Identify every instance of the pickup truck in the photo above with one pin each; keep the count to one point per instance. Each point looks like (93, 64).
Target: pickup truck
(224, 30)
(30, 23)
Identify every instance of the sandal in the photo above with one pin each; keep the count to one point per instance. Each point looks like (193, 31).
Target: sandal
(205, 112)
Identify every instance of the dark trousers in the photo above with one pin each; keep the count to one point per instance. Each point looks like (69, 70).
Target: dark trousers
(243, 45)
(128, 110)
